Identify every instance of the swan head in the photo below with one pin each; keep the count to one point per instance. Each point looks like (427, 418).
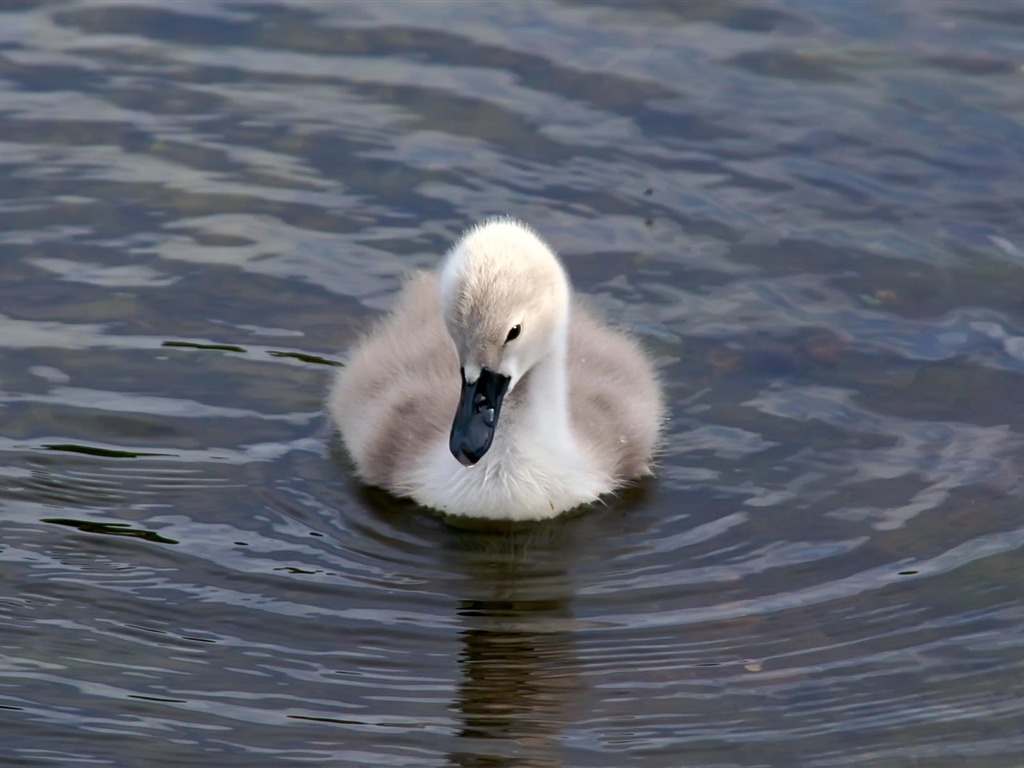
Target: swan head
(505, 299)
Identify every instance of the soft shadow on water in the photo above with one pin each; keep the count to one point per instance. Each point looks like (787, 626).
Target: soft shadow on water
(809, 213)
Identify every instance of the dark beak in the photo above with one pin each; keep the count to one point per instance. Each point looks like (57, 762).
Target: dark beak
(477, 416)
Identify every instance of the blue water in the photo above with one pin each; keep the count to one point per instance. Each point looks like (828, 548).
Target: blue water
(809, 212)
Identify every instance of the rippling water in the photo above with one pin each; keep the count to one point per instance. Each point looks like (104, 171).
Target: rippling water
(811, 213)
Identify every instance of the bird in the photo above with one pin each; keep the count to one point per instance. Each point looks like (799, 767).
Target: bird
(491, 392)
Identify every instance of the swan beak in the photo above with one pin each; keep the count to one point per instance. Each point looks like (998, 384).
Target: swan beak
(477, 416)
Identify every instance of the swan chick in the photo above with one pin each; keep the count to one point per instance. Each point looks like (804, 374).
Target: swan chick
(490, 392)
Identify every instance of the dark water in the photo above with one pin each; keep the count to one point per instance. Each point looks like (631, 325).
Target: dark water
(813, 214)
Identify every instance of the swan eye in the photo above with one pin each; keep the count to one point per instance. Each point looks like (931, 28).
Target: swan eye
(513, 333)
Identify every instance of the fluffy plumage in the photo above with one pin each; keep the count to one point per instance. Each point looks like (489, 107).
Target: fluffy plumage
(583, 410)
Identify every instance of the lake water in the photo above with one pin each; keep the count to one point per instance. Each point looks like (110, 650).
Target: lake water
(812, 213)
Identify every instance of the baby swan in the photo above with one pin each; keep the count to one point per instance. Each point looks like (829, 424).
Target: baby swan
(489, 392)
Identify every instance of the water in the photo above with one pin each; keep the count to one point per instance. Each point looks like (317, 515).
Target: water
(811, 214)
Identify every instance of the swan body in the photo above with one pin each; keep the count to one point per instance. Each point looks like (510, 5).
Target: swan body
(490, 392)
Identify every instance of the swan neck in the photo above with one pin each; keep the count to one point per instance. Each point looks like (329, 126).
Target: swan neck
(548, 401)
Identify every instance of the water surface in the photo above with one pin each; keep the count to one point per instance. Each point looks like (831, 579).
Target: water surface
(809, 212)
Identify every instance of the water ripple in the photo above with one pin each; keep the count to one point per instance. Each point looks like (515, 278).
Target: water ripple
(809, 214)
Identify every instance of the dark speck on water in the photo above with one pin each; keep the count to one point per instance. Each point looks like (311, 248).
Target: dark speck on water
(810, 214)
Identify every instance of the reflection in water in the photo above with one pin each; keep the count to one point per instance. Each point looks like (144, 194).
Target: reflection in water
(519, 670)
(520, 681)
